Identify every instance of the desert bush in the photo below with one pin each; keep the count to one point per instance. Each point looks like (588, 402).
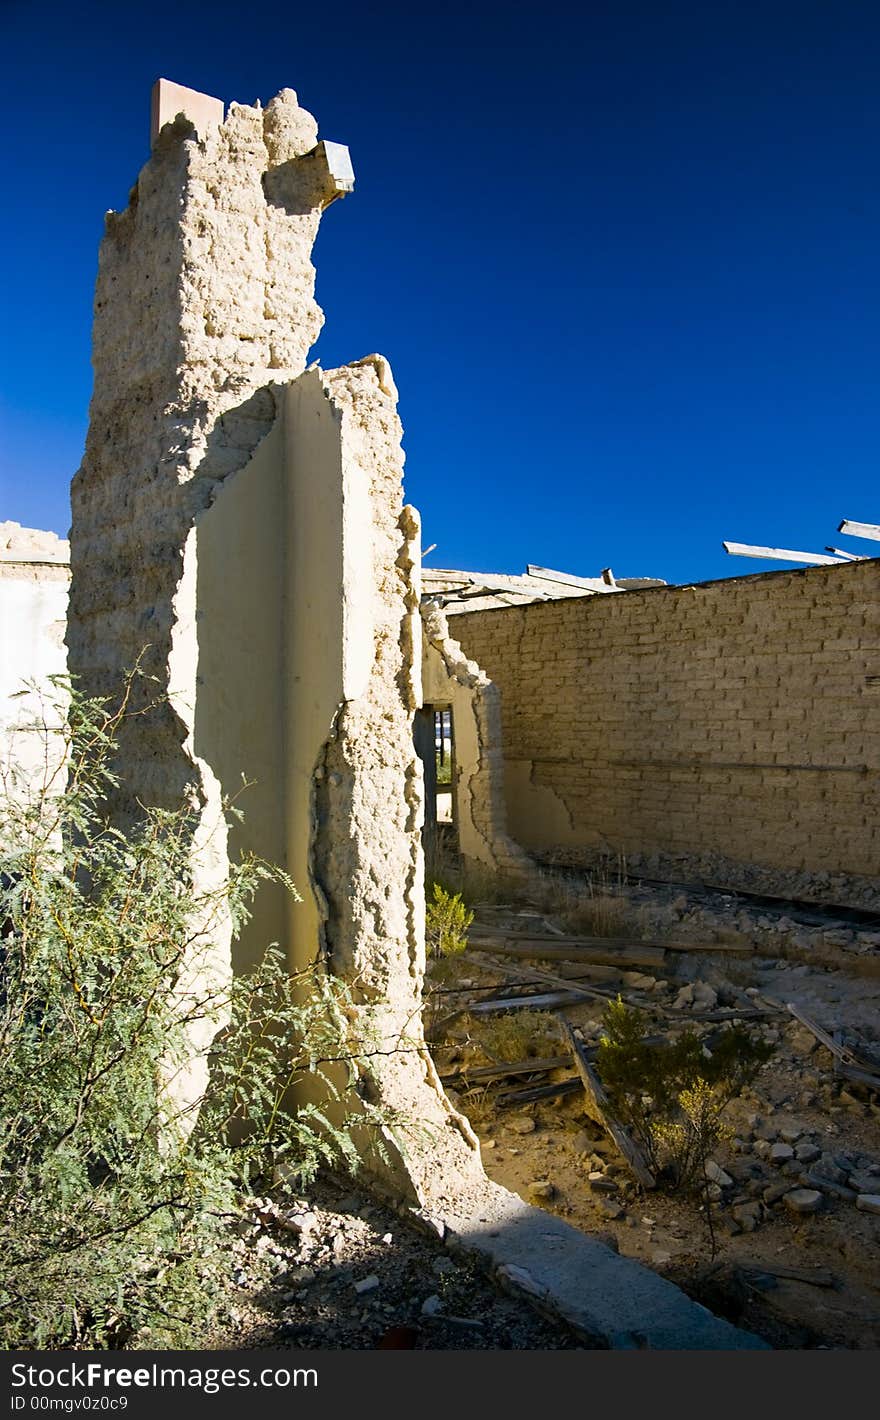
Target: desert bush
(671, 1095)
(117, 1190)
(447, 920)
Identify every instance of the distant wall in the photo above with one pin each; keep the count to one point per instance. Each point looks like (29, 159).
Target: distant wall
(34, 581)
(739, 717)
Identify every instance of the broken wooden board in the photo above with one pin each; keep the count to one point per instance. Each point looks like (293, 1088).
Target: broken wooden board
(815, 1276)
(738, 949)
(516, 934)
(598, 1109)
(840, 1051)
(501, 1071)
(857, 1077)
(547, 1000)
(539, 1092)
(587, 993)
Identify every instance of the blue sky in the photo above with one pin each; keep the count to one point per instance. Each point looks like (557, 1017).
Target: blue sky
(623, 257)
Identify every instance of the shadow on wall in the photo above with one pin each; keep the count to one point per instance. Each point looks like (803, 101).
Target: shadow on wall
(239, 712)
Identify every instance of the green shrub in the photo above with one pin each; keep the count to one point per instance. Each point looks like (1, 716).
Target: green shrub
(447, 920)
(671, 1096)
(117, 1194)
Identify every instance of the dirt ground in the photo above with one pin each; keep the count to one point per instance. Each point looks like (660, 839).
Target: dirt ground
(336, 1271)
(798, 1127)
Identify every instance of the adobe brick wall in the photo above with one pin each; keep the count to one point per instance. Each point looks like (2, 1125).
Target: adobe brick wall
(732, 718)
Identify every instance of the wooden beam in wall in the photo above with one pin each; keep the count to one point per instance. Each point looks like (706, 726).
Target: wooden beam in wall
(567, 579)
(780, 554)
(869, 530)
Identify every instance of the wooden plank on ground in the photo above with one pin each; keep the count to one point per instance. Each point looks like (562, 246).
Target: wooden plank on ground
(857, 1077)
(735, 948)
(501, 1071)
(821, 1035)
(555, 950)
(545, 1001)
(539, 1092)
(587, 993)
(815, 1276)
(533, 934)
(597, 1108)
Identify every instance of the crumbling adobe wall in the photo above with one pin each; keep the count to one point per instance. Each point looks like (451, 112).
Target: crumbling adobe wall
(205, 294)
(243, 518)
(480, 815)
(734, 718)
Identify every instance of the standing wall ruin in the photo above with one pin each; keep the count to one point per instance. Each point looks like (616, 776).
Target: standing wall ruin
(238, 526)
(733, 720)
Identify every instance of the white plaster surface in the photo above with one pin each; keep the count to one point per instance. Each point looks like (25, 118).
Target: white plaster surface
(33, 612)
(170, 99)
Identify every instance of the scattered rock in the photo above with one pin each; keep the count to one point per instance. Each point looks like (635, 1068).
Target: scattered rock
(599, 1183)
(300, 1276)
(522, 1124)
(705, 997)
(781, 1153)
(716, 1174)
(542, 1188)
(807, 1153)
(300, 1223)
(816, 1180)
(803, 1200)
(611, 1209)
(868, 1202)
(747, 1215)
(431, 1305)
(367, 1284)
(863, 1182)
(639, 981)
(790, 1133)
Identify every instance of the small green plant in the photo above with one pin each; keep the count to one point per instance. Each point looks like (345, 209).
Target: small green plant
(447, 920)
(671, 1096)
(120, 1180)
